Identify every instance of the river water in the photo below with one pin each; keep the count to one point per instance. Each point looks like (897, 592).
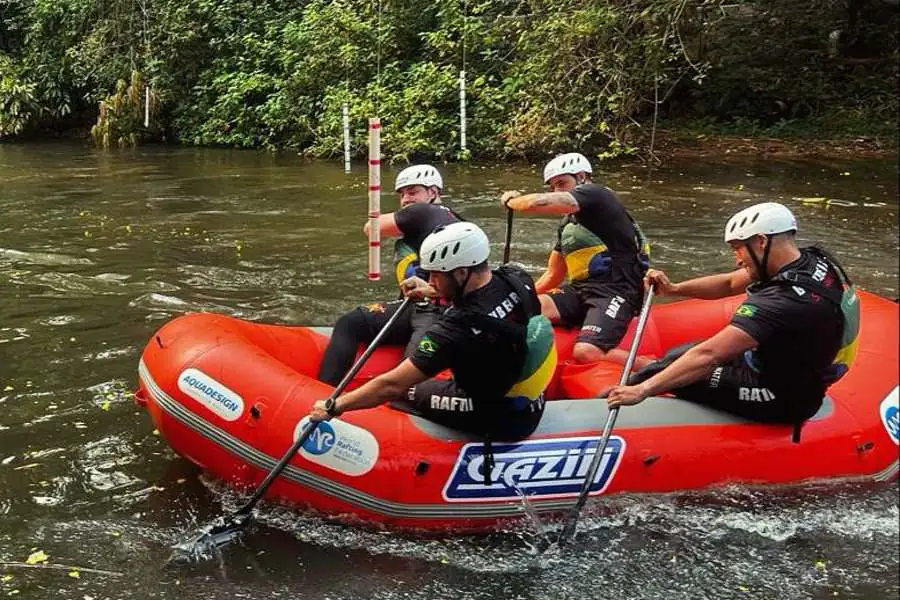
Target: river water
(97, 250)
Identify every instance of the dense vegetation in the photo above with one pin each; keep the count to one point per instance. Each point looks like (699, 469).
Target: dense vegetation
(542, 76)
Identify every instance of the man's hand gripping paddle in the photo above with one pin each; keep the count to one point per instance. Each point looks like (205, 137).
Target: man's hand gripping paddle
(224, 529)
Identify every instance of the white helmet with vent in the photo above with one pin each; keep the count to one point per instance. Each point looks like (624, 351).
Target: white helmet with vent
(425, 175)
(767, 218)
(453, 246)
(567, 164)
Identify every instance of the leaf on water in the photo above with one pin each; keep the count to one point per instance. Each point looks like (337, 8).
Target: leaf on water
(36, 557)
(75, 574)
(820, 564)
(104, 405)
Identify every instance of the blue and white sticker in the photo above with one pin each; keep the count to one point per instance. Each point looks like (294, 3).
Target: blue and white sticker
(211, 394)
(340, 446)
(537, 468)
(890, 414)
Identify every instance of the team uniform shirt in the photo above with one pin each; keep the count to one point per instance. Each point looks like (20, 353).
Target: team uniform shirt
(488, 361)
(415, 222)
(480, 359)
(606, 257)
(600, 242)
(798, 331)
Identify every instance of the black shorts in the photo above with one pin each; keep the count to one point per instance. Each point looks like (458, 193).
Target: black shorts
(733, 387)
(444, 402)
(407, 331)
(602, 313)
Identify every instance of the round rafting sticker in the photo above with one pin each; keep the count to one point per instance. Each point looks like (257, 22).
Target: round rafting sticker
(890, 414)
(340, 446)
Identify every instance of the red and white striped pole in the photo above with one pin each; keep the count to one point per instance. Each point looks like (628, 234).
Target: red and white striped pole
(374, 198)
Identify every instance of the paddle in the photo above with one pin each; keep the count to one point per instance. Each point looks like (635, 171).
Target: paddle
(509, 220)
(572, 520)
(224, 529)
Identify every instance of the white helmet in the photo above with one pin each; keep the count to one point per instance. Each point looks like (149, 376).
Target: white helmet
(419, 175)
(567, 164)
(453, 246)
(767, 218)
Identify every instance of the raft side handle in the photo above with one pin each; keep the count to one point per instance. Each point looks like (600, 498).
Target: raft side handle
(865, 447)
(140, 396)
(649, 460)
(159, 341)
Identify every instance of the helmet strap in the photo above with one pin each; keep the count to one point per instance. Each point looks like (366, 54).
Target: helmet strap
(762, 265)
(460, 290)
(433, 198)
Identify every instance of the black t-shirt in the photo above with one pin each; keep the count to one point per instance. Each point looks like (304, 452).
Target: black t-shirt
(798, 331)
(485, 362)
(602, 213)
(416, 221)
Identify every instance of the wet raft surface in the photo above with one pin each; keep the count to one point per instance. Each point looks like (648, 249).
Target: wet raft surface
(96, 251)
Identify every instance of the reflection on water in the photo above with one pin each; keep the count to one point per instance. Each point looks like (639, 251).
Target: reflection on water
(97, 250)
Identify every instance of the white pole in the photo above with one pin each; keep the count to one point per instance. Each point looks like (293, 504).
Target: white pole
(374, 198)
(462, 110)
(346, 138)
(147, 106)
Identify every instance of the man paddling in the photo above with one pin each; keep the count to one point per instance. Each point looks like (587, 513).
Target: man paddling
(492, 338)
(419, 189)
(599, 248)
(794, 335)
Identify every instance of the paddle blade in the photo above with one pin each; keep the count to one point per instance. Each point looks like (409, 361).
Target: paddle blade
(210, 539)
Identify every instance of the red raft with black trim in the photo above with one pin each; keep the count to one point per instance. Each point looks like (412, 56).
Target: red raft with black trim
(231, 395)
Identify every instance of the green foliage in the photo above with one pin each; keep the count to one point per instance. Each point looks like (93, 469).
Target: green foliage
(18, 103)
(541, 76)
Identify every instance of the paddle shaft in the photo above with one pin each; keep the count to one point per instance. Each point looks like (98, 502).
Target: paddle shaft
(509, 221)
(312, 425)
(569, 528)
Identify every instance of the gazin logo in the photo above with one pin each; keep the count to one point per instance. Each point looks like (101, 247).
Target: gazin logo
(321, 439)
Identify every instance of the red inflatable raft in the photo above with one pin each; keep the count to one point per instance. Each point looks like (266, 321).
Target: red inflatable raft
(229, 395)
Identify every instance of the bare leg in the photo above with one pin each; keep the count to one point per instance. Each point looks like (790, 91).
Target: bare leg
(585, 353)
(548, 309)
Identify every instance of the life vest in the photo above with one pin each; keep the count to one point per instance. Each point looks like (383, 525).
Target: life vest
(526, 371)
(845, 300)
(406, 261)
(586, 255)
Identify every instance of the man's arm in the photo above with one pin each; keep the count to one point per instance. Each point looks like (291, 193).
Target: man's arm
(554, 275)
(693, 365)
(387, 224)
(389, 386)
(548, 203)
(710, 287)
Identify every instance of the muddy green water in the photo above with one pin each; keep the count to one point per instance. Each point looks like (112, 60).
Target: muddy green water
(97, 250)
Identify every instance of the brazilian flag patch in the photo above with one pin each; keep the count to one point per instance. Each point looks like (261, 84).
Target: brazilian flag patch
(745, 310)
(427, 346)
